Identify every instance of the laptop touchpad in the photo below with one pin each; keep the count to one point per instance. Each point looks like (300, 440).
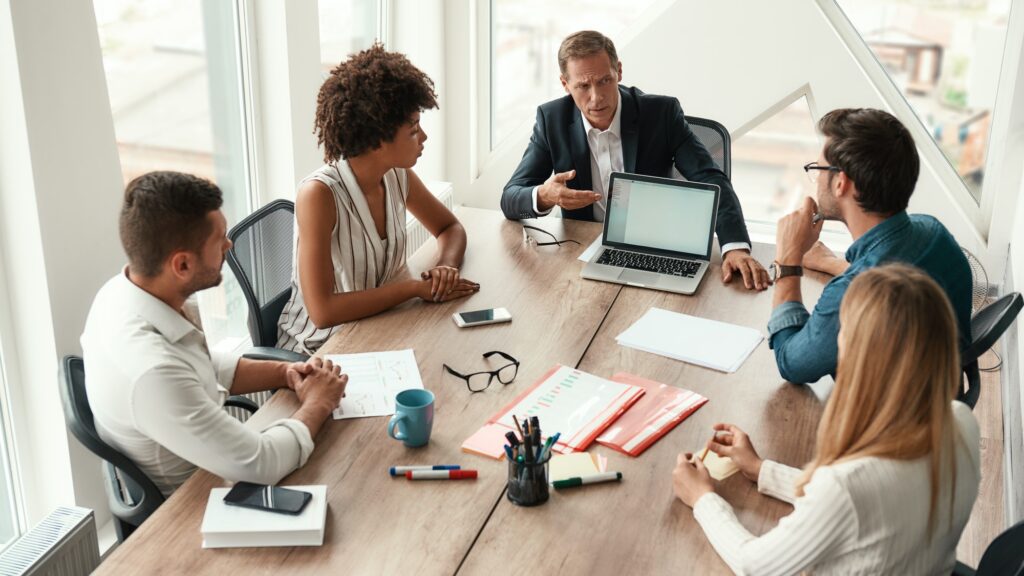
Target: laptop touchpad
(639, 277)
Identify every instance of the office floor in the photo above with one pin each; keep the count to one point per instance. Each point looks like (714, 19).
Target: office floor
(987, 518)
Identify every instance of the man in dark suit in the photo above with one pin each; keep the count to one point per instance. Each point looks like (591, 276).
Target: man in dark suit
(601, 127)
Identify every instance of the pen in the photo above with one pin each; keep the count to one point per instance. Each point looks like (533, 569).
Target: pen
(441, 474)
(518, 427)
(401, 470)
(513, 440)
(547, 446)
(508, 452)
(583, 480)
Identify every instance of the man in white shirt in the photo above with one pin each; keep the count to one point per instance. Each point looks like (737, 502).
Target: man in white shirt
(151, 380)
(601, 127)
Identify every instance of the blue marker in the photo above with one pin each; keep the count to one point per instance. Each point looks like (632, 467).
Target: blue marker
(508, 452)
(401, 470)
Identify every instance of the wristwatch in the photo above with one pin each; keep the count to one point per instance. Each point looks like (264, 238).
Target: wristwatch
(778, 271)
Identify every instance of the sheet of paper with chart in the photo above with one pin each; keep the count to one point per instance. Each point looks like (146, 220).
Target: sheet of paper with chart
(374, 378)
(577, 404)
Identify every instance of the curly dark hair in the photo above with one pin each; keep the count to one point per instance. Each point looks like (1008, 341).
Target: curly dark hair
(877, 152)
(366, 99)
(164, 212)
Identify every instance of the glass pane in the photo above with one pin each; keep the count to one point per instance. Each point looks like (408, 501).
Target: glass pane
(525, 35)
(944, 56)
(346, 27)
(9, 530)
(767, 164)
(173, 76)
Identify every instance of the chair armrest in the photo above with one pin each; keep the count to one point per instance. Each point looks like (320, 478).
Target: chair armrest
(241, 402)
(268, 353)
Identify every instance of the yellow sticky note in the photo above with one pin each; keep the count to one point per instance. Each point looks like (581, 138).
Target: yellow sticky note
(719, 467)
(577, 464)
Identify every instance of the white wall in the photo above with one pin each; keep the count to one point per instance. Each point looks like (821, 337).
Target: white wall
(60, 190)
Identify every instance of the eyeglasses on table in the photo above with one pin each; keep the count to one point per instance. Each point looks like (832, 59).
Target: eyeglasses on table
(479, 381)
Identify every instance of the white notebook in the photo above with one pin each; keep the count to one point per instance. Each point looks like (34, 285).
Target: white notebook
(716, 345)
(226, 526)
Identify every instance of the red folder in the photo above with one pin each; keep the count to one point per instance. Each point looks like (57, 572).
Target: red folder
(651, 417)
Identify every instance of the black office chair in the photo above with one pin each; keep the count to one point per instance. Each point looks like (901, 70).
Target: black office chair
(131, 494)
(1003, 557)
(716, 139)
(986, 327)
(261, 259)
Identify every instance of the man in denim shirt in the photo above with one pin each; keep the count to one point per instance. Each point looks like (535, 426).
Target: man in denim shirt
(865, 176)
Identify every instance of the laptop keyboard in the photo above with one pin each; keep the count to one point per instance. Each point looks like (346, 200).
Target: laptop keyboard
(649, 263)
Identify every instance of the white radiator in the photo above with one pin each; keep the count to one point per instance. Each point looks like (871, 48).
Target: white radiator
(415, 234)
(63, 544)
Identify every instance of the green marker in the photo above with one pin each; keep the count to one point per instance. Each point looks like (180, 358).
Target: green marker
(593, 479)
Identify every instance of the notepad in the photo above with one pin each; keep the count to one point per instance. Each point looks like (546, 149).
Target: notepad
(708, 343)
(719, 467)
(660, 409)
(226, 526)
(568, 401)
(576, 465)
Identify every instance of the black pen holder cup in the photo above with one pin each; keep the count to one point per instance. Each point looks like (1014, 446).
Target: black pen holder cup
(528, 482)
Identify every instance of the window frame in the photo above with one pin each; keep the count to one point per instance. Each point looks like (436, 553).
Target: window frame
(9, 460)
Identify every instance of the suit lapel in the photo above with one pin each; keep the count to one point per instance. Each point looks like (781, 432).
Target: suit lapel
(580, 152)
(630, 130)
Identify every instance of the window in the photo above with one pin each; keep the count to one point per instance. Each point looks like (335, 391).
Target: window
(767, 165)
(346, 27)
(944, 57)
(175, 83)
(10, 526)
(525, 35)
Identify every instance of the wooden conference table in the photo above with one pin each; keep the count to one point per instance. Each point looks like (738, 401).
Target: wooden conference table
(380, 525)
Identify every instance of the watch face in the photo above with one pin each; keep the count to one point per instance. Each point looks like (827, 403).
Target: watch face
(773, 271)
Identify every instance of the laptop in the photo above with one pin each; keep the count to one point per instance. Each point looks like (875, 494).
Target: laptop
(658, 233)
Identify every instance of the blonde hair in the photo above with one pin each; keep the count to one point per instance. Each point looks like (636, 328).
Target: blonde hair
(898, 370)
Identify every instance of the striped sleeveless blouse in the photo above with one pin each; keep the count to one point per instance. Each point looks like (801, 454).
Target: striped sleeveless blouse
(361, 258)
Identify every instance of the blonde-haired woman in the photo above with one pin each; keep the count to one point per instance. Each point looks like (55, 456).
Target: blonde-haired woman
(896, 467)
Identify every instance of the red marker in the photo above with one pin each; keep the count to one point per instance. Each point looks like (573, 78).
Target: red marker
(441, 474)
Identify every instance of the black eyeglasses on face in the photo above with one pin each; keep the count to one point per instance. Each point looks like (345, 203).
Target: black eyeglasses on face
(556, 242)
(811, 169)
(479, 381)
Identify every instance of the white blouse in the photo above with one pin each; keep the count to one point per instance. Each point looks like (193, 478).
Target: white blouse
(865, 516)
(360, 257)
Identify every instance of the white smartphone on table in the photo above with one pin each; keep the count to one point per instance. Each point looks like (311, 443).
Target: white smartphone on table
(481, 317)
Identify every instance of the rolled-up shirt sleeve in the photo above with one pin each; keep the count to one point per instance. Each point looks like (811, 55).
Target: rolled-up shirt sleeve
(170, 405)
(805, 344)
(225, 364)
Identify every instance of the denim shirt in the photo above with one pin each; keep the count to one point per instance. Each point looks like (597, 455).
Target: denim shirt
(805, 344)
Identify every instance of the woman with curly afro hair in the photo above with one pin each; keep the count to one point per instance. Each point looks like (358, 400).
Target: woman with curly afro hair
(351, 212)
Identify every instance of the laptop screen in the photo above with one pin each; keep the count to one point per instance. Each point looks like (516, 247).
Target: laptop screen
(661, 214)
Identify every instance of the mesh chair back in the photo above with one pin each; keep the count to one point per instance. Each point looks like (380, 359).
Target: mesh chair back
(132, 495)
(716, 139)
(261, 259)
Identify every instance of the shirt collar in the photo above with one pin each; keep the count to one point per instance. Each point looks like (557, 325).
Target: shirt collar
(615, 127)
(874, 236)
(167, 321)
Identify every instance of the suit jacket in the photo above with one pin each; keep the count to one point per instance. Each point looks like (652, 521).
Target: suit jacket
(655, 136)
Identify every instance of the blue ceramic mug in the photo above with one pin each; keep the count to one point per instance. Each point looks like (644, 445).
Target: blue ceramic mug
(414, 417)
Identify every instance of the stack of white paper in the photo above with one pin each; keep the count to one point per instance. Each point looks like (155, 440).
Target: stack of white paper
(699, 341)
(226, 526)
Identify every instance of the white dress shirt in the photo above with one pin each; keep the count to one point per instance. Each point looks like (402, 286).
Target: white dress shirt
(153, 390)
(605, 158)
(863, 516)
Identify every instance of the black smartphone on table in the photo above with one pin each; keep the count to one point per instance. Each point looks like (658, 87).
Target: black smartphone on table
(269, 498)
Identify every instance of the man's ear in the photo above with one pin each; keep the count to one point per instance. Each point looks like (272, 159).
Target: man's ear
(181, 264)
(565, 83)
(619, 71)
